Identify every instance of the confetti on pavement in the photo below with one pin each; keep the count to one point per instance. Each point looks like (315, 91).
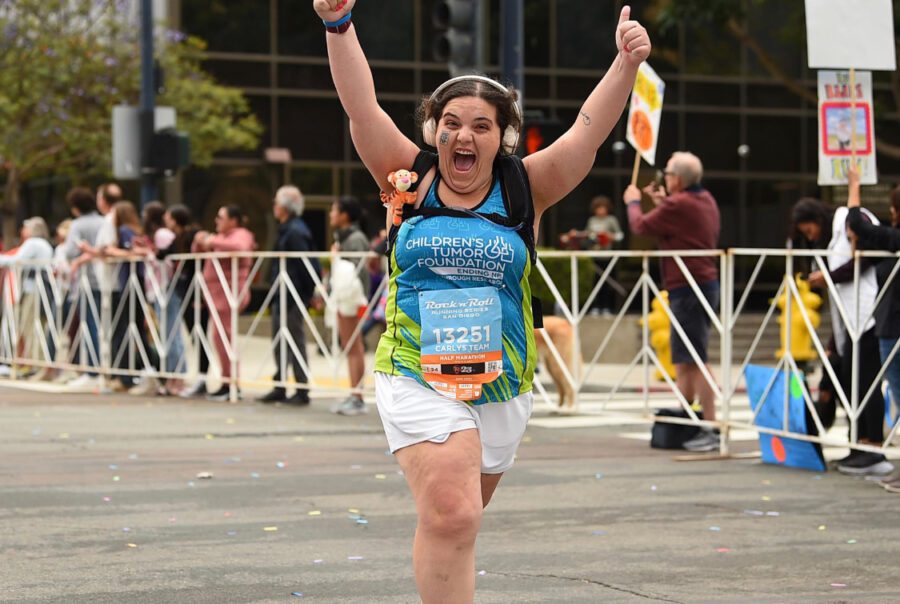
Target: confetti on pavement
(380, 477)
(722, 550)
(715, 529)
(354, 558)
(314, 513)
(270, 529)
(204, 475)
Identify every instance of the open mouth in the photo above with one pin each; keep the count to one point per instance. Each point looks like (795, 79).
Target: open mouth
(463, 160)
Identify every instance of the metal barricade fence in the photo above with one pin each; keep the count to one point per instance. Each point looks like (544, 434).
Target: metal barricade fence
(148, 322)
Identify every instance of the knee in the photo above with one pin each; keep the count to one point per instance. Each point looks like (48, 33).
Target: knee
(451, 514)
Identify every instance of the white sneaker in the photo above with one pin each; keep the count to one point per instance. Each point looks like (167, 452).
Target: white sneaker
(84, 381)
(5, 371)
(148, 386)
(352, 405)
(198, 389)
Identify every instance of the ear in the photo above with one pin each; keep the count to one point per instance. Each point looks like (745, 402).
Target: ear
(391, 178)
(413, 177)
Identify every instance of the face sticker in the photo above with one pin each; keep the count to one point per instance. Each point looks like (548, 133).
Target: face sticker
(445, 137)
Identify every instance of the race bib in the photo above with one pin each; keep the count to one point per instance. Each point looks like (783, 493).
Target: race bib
(462, 341)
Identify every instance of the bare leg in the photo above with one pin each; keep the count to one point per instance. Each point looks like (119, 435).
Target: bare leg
(356, 360)
(489, 484)
(684, 381)
(706, 393)
(446, 484)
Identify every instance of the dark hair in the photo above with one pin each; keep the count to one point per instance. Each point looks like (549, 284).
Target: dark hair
(810, 209)
(504, 103)
(82, 199)
(183, 217)
(600, 201)
(350, 206)
(153, 217)
(235, 212)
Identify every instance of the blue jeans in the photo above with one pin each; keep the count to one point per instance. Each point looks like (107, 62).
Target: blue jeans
(886, 345)
(175, 360)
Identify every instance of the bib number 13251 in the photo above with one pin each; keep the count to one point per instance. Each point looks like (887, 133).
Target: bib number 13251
(462, 343)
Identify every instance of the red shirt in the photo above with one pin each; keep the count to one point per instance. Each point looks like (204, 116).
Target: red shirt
(688, 220)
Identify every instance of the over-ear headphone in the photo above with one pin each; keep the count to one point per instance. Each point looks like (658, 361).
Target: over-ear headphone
(510, 139)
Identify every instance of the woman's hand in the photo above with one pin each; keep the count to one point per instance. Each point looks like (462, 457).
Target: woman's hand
(332, 10)
(816, 279)
(853, 197)
(632, 39)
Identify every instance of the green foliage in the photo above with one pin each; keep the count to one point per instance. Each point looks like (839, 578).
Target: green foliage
(64, 64)
(699, 12)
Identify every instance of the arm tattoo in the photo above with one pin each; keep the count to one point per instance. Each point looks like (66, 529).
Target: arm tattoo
(585, 118)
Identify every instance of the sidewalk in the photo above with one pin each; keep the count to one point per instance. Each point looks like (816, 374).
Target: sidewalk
(102, 500)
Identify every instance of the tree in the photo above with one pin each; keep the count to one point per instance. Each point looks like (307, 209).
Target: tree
(729, 16)
(64, 64)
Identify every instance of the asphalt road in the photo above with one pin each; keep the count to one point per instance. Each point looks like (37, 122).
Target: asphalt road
(102, 500)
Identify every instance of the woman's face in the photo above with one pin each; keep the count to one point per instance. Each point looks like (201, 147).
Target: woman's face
(811, 231)
(337, 218)
(170, 223)
(468, 139)
(224, 223)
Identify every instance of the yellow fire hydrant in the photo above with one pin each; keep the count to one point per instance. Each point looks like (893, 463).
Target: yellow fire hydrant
(801, 339)
(660, 336)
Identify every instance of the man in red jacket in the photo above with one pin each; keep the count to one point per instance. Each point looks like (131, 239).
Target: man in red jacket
(685, 219)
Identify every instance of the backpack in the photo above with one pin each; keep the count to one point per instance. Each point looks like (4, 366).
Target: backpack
(516, 200)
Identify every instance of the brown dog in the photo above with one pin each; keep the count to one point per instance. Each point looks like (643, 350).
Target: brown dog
(560, 332)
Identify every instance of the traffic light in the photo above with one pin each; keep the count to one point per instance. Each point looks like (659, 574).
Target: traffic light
(539, 134)
(170, 150)
(458, 39)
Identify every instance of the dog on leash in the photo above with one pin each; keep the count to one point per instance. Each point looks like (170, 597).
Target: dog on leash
(560, 333)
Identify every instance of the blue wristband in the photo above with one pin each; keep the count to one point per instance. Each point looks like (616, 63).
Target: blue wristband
(338, 23)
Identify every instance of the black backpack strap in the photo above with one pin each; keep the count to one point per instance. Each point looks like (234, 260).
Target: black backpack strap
(517, 198)
(520, 208)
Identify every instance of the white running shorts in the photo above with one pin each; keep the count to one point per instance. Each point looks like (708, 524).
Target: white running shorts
(412, 413)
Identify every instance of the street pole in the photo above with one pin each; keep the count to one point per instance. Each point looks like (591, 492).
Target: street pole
(149, 189)
(512, 36)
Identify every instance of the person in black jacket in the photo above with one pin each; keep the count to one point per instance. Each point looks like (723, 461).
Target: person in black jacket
(887, 313)
(293, 236)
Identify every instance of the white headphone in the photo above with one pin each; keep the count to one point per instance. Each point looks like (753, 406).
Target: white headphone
(510, 140)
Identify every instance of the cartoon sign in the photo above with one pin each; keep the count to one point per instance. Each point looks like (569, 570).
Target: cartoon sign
(645, 112)
(850, 34)
(780, 450)
(837, 132)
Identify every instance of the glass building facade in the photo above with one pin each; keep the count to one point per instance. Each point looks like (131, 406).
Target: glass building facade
(719, 97)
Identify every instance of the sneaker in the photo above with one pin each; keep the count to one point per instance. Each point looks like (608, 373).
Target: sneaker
(197, 389)
(5, 371)
(852, 455)
(149, 386)
(707, 440)
(352, 405)
(892, 477)
(298, 399)
(866, 464)
(222, 394)
(84, 381)
(892, 486)
(276, 395)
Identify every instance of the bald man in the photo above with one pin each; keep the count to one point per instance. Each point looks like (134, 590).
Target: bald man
(687, 218)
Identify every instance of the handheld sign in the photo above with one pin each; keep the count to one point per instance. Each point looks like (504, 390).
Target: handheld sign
(846, 127)
(850, 34)
(644, 114)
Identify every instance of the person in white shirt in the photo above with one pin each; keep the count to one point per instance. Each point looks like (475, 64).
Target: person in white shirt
(29, 263)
